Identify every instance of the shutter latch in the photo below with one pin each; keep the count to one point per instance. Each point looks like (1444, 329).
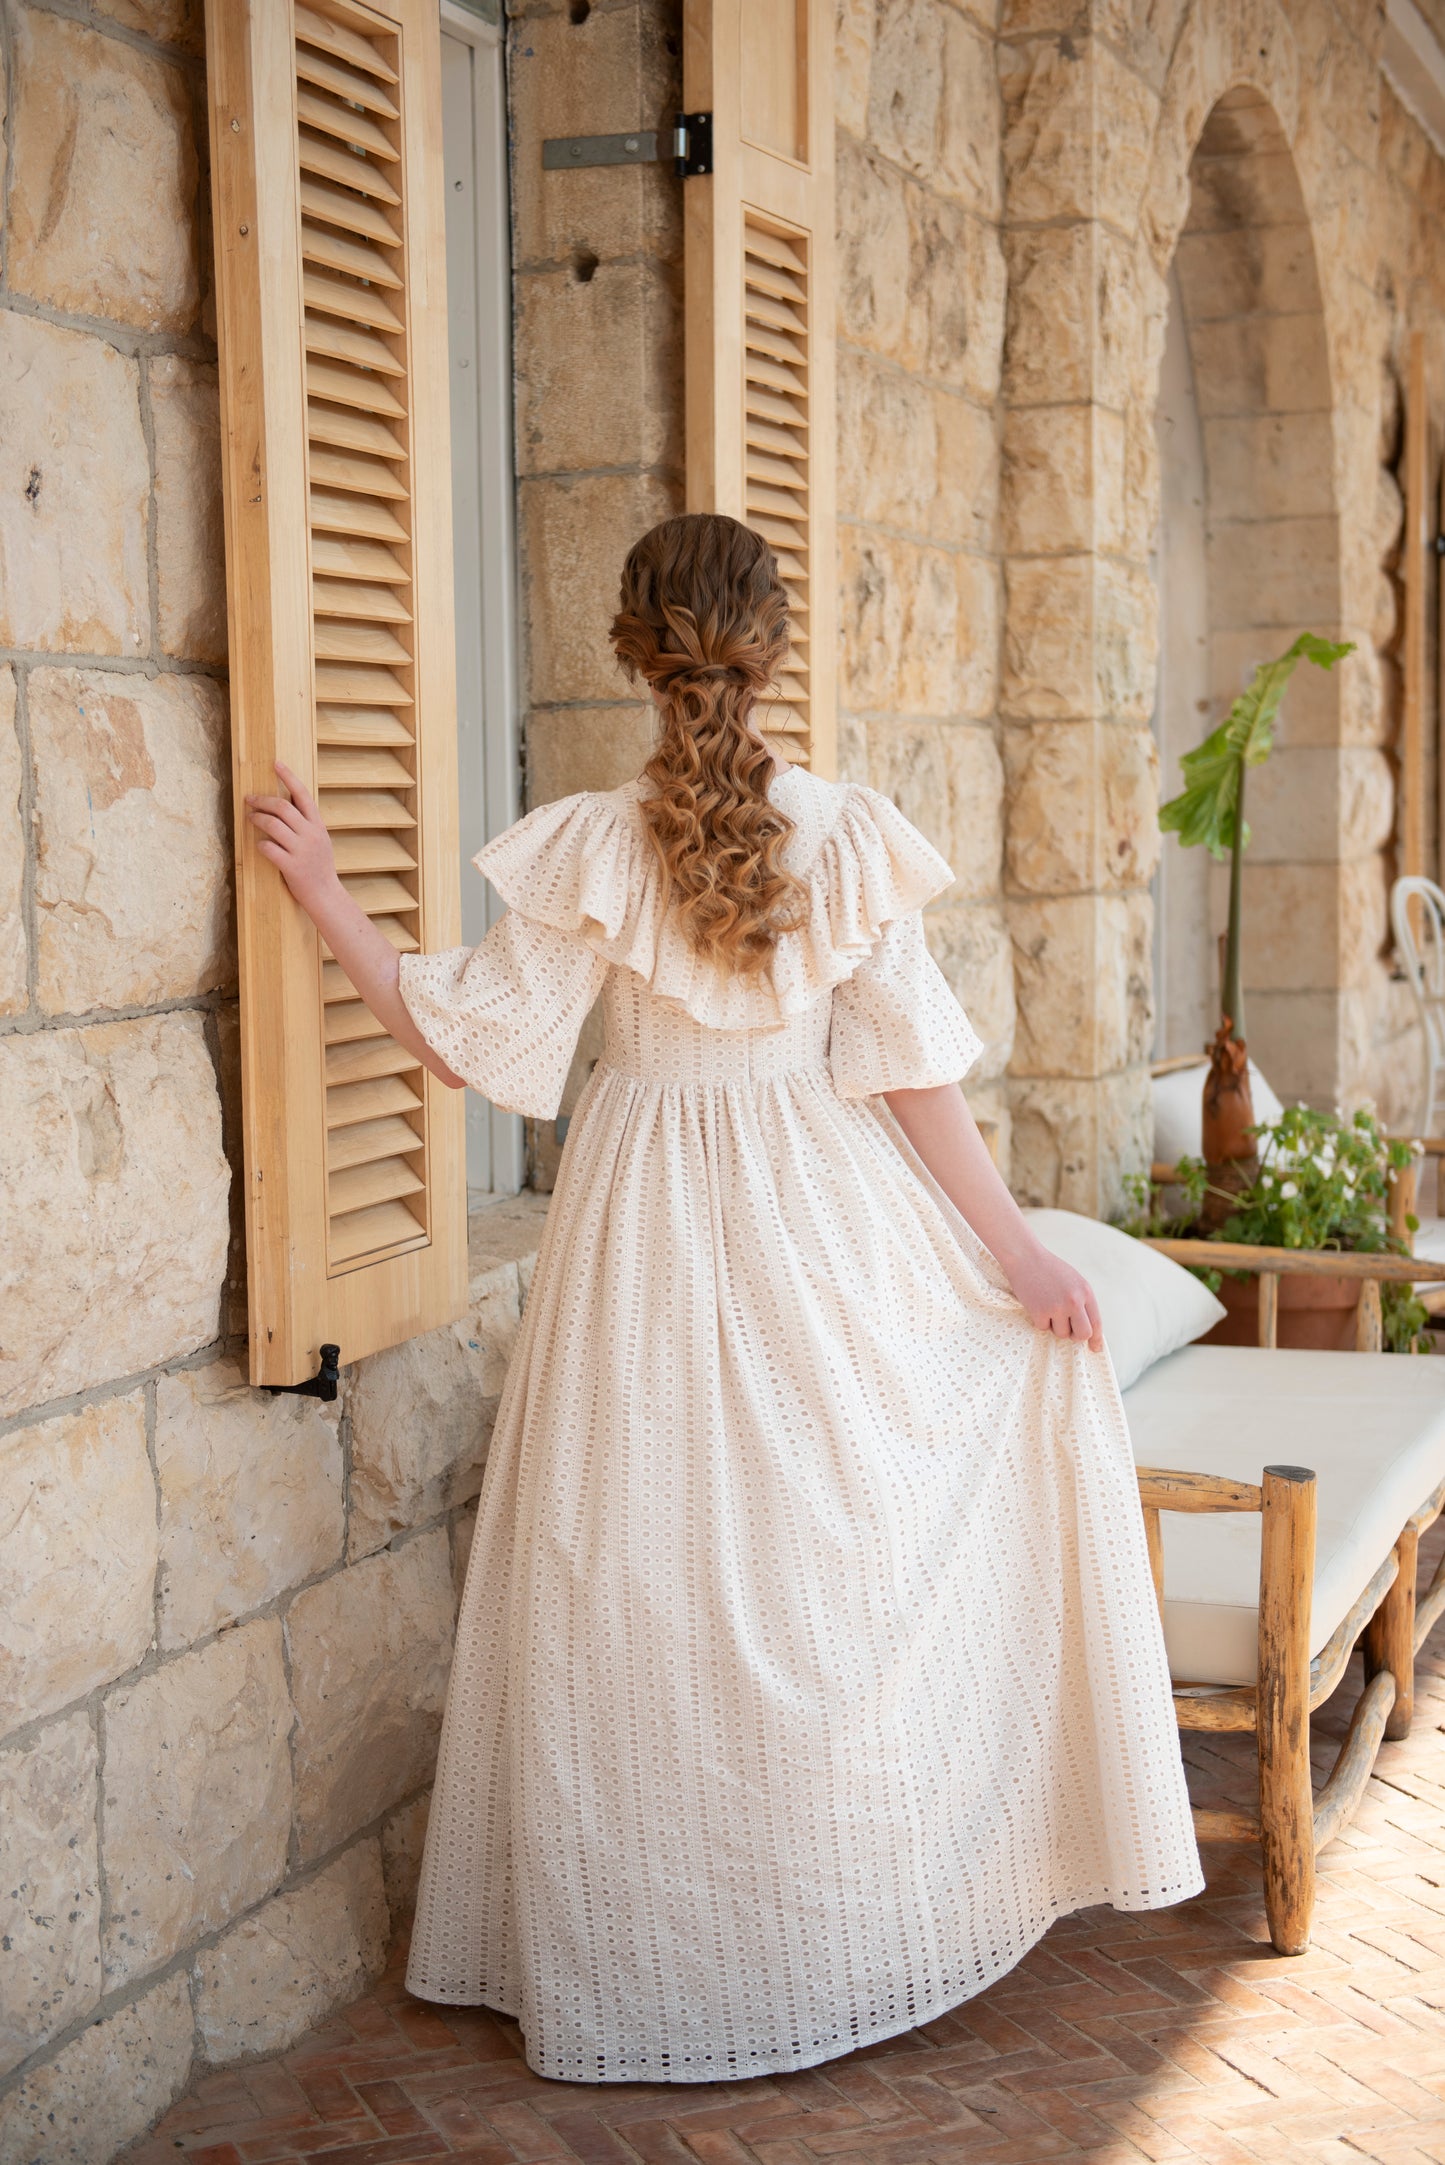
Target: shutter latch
(324, 1384)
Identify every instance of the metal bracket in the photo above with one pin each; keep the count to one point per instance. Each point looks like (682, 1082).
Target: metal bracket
(691, 144)
(324, 1384)
(1438, 544)
(689, 148)
(561, 151)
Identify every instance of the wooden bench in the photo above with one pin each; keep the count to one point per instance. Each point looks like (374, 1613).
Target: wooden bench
(1376, 1430)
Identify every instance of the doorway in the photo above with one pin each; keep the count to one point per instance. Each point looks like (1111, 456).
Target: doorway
(474, 147)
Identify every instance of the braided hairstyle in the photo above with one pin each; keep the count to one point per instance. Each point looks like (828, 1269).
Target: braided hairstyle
(703, 621)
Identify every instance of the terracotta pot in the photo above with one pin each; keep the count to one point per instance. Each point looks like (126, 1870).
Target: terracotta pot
(1316, 1313)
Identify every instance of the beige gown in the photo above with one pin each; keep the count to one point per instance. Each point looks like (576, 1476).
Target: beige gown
(808, 1663)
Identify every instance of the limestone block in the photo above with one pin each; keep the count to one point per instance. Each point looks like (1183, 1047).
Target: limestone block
(1047, 660)
(370, 1649)
(949, 781)
(106, 2086)
(1245, 269)
(856, 28)
(913, 457)
(1386, 614)
(464, 1528)
(75, 474)
(77, 1556)
(403, 1838)
(103, 201)
(1367, 698)
(250, 1497)
(1132, 305)
(1388, 522)
(14, 966)
(933, 101)
(1274, 572)
(1063, 480)
(599, 368)
(1261, 364)
(1083, 968)
(1364, 904)
(955, 319)
(1270, 466)
(1294, 913)
(1296, 809)
(1072, 1142)
(574, 536)
(900, 625)
(970, 944)
(1080, 639)
(169, 22)
(1083, 807)
(1059, 161)
(571, 748)
(422, 1415)
(872, 256)
(1049, 347)
(1139, 523)
(197, 1795)
(114, 1179)
(1366, 801)
(190, 537)
(278, 1973)
(49, 1887)
(980, 601)
(133, 852)
(505, 1230)
(1298, 1040)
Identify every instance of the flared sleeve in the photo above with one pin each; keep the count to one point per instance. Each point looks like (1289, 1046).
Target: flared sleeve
(505, 1015)
(896, 1023)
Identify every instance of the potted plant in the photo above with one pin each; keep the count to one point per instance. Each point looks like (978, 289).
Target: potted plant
(1210, 810)
(1319, 1181)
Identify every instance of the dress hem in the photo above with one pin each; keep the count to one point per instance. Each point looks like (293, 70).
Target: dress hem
(794, 2062)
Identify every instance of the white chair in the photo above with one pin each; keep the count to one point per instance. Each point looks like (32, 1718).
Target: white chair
(1420, 944)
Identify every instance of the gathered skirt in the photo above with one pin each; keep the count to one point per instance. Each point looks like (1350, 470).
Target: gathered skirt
(808, 1663)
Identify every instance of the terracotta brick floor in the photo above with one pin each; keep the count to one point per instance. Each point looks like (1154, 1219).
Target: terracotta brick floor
(1177, 2034)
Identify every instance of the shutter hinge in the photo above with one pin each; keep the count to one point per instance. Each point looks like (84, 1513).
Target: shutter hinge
(324, 1384)
(691, 144)
(689, 148)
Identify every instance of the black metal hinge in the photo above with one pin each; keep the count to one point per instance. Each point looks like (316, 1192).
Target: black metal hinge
(691, 144)
(689, 148)
(324, 1384)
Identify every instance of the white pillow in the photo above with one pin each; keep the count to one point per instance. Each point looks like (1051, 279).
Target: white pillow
(1149, 1305)
(1179, 1110)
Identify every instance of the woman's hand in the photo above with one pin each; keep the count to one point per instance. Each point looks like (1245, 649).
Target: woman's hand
(1055, 1296)
(293, 837)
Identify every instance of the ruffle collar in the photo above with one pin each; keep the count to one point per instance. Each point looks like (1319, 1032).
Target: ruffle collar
(585, 865)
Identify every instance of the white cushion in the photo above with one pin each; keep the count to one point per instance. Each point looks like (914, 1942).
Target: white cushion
(1370, 1425)
(1149, 1306)
(1429, 1241)
(1179, 1110)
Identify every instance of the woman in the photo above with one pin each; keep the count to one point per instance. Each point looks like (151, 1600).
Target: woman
(808, 1663)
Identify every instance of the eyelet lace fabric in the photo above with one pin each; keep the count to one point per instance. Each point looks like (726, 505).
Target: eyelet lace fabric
(808, 1663)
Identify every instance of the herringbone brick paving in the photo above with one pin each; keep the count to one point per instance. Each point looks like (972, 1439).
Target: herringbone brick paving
(1177, 2035)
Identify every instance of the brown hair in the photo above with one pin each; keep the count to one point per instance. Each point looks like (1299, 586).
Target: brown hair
(703, 620)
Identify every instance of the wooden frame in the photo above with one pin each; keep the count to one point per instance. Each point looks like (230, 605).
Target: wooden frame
(1292, 1824)
(759, 312)
(329, 223)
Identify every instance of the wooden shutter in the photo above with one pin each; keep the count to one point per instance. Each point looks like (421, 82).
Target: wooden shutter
(761, 424)
(328, 210)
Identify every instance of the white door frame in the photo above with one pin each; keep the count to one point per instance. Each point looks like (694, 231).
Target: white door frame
(490, 752)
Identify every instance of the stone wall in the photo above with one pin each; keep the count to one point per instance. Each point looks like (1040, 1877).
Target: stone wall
(225, 1618)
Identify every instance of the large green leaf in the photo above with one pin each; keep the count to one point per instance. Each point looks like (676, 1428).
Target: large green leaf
(1206, 808)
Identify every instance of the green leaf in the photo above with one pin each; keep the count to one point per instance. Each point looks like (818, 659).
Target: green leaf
(1206, 808)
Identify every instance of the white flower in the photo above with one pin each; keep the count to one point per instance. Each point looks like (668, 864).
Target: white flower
(1288, 1191)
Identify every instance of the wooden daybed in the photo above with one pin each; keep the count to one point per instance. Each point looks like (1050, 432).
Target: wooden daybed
(1261, 1625)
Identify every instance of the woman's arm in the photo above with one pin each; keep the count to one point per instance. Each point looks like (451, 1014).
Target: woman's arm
(293, 837)
(945, 1135)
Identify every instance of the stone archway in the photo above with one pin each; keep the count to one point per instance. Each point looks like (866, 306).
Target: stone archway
(1249, 555)
(1099, 162)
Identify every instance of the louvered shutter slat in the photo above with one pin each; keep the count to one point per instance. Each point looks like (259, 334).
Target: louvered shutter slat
(330, 246)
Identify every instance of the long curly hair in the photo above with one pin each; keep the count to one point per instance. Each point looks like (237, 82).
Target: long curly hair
(703, 621)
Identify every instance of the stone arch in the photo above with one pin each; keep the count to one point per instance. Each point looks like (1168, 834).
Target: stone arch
(1248, 335)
